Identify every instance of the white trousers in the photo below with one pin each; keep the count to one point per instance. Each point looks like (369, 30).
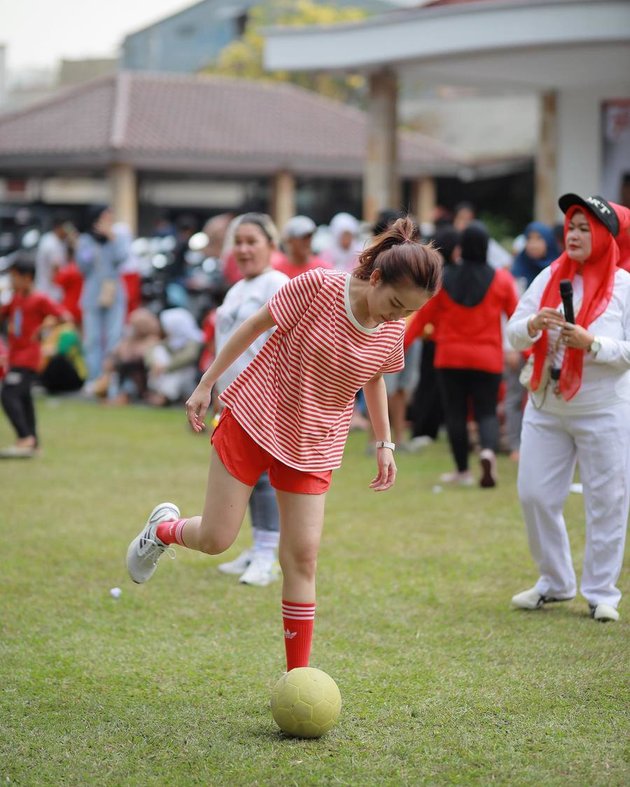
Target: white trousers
(550, 447)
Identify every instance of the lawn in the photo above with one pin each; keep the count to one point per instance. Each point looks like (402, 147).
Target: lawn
(442, 682)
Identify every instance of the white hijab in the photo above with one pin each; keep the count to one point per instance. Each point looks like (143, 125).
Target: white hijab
(180, 328)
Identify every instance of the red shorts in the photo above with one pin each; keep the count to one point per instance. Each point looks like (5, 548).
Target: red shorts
(246, 461)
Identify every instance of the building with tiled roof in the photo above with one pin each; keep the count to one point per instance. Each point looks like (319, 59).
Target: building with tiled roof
(146, 131)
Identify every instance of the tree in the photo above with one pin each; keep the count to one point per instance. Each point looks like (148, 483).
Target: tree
(244, 58)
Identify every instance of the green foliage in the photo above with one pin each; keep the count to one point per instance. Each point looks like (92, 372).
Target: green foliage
(244, 58)
(442, 683)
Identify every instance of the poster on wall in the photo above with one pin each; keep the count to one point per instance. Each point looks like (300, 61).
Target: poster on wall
(616, 151)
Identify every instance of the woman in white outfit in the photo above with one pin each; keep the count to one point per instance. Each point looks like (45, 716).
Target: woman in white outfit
(255, 239)
(579, 413)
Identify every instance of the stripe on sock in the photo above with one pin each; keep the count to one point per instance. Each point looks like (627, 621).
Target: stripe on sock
(170, 532)
(293, 611)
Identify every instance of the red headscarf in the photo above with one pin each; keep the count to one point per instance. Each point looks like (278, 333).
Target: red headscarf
(623, 236)
(598, 273)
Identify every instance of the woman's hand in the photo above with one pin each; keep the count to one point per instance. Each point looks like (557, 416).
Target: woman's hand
(386, 470)
(575, 336)
(544, 319)
(197, 406)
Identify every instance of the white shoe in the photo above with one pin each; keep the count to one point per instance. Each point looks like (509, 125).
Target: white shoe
(534, 599)
(238, 565)
(488, 462)
(146, 548)
(604, 612)
(458, 479)
(418, 443)
(260, 572)
(18, 452)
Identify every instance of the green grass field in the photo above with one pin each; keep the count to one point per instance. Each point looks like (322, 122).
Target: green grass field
(442, 682)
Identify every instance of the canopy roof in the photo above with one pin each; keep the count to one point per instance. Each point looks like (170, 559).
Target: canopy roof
(513, 44)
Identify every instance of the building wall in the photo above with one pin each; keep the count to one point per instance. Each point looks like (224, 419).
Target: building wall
(580, 129)
(185, 42)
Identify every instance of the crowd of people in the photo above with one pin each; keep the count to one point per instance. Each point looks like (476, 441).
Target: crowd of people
(527, 352)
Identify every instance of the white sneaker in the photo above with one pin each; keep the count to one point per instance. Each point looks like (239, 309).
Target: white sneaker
(418, 443)
(604, 612)
(488, 462)
(18, 452)
(238, 565)
(533, 599)
(260, 572)
(458, 479)
(146, 548)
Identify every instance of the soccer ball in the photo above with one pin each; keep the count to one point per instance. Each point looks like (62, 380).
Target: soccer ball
(305, 702)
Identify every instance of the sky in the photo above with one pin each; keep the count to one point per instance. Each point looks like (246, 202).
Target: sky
(38, 33)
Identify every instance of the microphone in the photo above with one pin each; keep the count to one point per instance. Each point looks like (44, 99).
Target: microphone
(566, 294)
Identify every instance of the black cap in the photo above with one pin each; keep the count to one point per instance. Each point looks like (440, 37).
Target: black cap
(598, 206)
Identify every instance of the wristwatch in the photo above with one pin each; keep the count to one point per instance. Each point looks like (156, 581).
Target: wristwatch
(595, 347)
(386, 444)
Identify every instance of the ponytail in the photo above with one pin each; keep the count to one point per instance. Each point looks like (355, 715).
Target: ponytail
(399, 255)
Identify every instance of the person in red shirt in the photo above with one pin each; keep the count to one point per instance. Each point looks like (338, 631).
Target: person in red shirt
(467, 315)
(298, 258)
(26, 313)
(70, 280)
(289, 412)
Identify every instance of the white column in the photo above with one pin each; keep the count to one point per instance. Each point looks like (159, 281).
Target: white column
(124, 195)
(424, 199)
(545, 188)
(283, 198)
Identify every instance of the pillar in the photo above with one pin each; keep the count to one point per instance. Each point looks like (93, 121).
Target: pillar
(124, 195)
(424, 199)
(545, 181)
(282, 198)
(381, 188)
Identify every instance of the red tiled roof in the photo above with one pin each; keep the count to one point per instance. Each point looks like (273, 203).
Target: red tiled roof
(202, 124)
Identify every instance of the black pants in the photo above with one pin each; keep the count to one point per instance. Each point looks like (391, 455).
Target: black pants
(60, 376)
(426, 405)
(481, 389)
(17, 400)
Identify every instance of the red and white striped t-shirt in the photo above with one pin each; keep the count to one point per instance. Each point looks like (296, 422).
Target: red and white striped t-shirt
(295, 398)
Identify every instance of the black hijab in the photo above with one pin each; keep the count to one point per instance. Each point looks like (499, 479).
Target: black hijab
(468, 283)
(94, 213)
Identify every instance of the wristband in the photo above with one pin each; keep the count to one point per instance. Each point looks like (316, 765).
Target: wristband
(386, 444)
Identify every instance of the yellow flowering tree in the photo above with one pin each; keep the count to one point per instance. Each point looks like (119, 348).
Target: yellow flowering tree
(244, 58)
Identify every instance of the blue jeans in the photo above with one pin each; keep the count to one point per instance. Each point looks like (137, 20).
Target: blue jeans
(102, 330)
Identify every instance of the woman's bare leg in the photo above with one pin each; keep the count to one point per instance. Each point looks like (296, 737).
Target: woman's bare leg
(223, 512)
(301, 524)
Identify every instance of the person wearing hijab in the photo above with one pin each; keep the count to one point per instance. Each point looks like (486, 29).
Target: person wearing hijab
(467, 315)
(100, 253)
(578, 413)
(539, 251)
(173, 363)
(427, 415)
(344, 252)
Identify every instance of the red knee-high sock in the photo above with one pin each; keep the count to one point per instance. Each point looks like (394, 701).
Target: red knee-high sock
(170, 532)
(298, 621)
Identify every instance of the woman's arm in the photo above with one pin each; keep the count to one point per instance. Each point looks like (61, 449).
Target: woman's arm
(239, 341)
(376, 400)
